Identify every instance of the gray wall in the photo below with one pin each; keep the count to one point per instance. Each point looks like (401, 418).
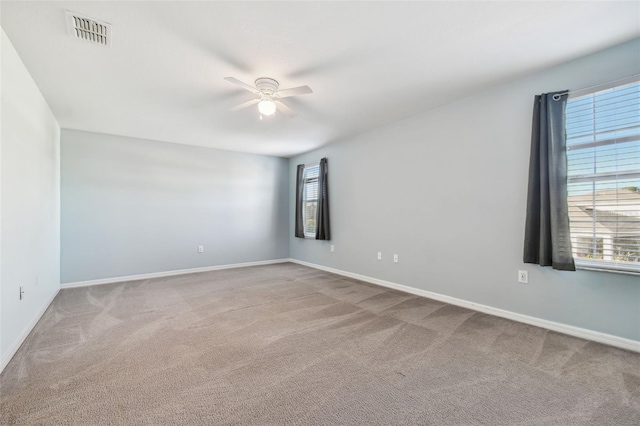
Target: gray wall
(446, 190)
(29, 203)
(133, 206)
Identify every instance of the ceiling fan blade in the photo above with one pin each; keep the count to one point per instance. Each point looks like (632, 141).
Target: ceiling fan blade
(302, 90)
(285, 109)
(245, 86)
(245, 105)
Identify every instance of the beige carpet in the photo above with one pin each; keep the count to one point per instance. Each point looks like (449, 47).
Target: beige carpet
(285, 344)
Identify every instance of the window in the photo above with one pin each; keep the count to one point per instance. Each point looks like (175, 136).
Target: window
(310, 200)
(603, 159)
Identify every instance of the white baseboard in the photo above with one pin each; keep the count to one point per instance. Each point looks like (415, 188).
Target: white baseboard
(4, 361)
(608, 339)
(169, 273)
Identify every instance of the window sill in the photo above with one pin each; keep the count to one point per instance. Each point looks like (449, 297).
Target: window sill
(585, 265)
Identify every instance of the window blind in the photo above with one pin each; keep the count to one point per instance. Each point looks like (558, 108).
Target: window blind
(603, 160)
(310, 200)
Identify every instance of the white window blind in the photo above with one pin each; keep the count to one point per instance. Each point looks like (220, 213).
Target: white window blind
(310, 200)
(603, 159)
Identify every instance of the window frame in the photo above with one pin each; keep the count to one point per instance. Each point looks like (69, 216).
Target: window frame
(596, 264)
(305, 181)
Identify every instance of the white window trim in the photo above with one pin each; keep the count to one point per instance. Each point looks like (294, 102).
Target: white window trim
(308, 235)
(595, 265)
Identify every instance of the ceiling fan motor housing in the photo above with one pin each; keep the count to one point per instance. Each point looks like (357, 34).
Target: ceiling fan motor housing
(267, 85)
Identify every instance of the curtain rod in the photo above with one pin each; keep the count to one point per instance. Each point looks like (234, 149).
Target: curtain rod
(604, 86)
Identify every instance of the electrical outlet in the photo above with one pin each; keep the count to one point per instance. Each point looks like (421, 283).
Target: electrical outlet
(379, 255)
(21, 292)
(523, 276)
(333, 248)
(395, 258)
(200, 249)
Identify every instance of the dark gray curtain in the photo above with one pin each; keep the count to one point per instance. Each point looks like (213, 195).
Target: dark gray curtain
(547, 240)
(299, 193)
(322, 224)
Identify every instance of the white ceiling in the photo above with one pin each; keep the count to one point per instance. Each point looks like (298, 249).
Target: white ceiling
(369, 63)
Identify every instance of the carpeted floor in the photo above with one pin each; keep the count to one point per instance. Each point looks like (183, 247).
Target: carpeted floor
(285, 344)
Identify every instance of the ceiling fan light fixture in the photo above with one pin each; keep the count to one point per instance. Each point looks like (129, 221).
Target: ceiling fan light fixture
(267, 89)
(266, 107)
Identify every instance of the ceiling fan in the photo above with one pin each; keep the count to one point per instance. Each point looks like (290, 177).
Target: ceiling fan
(269, 95)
